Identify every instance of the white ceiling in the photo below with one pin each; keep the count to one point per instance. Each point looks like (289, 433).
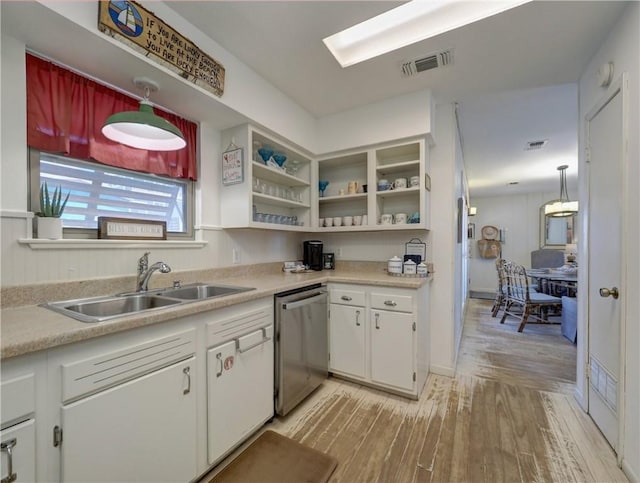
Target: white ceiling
(509, 74)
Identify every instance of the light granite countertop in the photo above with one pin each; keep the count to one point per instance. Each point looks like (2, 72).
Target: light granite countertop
(31, 328)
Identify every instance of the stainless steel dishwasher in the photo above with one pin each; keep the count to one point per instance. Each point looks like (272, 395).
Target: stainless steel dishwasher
(301, 346)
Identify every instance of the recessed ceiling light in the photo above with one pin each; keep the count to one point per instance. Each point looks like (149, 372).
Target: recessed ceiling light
(407, 24)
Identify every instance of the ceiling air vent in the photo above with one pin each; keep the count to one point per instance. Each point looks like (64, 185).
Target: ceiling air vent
(431, 61)
(531, 145)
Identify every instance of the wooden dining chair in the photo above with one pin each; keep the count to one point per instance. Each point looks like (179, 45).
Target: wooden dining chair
(501, 291)
(524, 302)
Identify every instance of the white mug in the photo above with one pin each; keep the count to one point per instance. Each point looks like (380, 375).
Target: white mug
(357, 220)
(386, 219)
(347, 220)
(365, 220)
(400, 183)
(320, 221)
(383, 185)
(414, 181)
(400, 218)
(328, 222)
(337, 221)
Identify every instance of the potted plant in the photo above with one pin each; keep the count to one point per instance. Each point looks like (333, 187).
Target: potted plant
(51, 209)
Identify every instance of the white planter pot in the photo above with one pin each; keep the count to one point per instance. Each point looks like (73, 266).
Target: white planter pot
(50, 228)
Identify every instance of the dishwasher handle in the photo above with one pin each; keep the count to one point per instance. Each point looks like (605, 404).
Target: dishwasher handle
(302, 302)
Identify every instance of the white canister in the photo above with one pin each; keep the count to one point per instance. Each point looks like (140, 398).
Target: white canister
(409, 267)
(394, 265)
(421, 269)
(414, 181)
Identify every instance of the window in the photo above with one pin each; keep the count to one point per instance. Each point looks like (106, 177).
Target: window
(100, 190)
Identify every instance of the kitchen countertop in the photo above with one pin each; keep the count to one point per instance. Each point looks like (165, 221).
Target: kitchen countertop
(31, 328)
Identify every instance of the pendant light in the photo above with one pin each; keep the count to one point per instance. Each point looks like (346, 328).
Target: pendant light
(143, 129)
(561, 207)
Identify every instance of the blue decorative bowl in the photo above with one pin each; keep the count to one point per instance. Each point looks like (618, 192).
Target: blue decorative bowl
(279, 158)
(265, 154)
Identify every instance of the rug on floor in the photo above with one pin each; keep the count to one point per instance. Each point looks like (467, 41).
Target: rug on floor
(276, 458)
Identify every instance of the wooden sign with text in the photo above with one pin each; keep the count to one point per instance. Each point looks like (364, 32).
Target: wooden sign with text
(143, 31)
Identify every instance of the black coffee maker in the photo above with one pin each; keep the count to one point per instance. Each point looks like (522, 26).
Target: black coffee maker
(312, 256)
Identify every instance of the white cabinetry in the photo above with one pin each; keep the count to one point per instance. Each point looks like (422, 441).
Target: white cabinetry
(379, 336)
(17, 437)
(347, 332)
(367, 167)
(130, 414)
(268, 197)
(239, 377)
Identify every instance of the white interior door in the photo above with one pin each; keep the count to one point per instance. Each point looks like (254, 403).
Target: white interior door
(605, 255)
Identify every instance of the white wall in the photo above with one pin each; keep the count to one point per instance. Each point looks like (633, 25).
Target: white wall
(245, 92)
(519, 216)
(623, 49)
(445, 176)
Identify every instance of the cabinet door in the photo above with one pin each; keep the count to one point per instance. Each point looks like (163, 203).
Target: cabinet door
(240, 390)
(143, 430)
(347, 340)
(392, 349)
(19, 452)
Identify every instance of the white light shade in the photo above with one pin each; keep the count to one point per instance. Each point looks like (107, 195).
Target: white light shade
(407, 24)
(561, 208)
(142, 129)
(473, 210)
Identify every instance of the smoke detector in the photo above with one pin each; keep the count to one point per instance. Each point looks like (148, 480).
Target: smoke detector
(428, 62)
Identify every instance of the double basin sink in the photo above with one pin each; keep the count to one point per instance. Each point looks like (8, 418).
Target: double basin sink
(98, 309)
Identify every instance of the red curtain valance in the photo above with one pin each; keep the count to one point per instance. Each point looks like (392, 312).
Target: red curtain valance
(65, 114)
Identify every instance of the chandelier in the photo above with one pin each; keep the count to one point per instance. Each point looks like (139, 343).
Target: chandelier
(561, 207)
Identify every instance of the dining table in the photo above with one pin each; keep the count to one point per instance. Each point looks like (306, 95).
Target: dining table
(552, 280)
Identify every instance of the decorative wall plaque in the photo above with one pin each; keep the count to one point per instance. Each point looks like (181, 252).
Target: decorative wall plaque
(140, 29)
(130, 229)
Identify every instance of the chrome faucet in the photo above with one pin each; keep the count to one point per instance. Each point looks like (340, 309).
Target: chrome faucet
(145, 271)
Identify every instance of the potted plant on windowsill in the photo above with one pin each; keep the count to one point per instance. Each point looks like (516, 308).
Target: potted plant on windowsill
(51, 209)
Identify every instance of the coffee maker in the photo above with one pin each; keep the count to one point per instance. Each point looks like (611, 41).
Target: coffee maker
(312, 256)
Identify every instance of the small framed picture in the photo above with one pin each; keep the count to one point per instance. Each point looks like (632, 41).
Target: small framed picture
(232, 168)
(328, 261)
(471, 231)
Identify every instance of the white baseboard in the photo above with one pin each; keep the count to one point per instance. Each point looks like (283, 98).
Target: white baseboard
(442, 371)
(580, 399)
(627, 470)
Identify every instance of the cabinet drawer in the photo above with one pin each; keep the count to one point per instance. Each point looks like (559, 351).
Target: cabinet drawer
(393, 302)
(346, 297)
(18, 399)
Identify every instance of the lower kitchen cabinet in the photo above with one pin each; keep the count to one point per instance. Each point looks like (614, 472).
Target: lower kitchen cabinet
(380, 336)
(239, 378)
(19, 452)
(393, 361)
(347, 340)
(129, 414)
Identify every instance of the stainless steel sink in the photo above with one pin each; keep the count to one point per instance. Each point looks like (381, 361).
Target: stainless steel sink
(98, 309)
(201, 291)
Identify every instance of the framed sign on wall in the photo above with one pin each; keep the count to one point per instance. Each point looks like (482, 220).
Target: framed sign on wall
(232, 167)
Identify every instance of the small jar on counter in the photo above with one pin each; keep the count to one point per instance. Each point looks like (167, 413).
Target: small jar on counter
(409, 267)
(394, 265)
(422, 269)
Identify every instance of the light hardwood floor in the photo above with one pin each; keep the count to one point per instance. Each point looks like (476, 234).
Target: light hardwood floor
(507, 416)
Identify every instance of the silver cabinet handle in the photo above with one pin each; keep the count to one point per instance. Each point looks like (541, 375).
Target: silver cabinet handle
(390, 303)
(7, 447)
(260, 342)
(219, 357)
(377, 316)
(346, 298)
(358, 318)
(187, 372)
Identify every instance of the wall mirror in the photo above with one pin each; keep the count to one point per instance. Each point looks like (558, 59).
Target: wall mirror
(556, 232)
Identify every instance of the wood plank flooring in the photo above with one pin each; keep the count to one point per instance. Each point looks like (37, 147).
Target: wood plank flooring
(507, 416)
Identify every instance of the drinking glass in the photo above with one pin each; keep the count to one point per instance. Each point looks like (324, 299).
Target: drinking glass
(322, 185)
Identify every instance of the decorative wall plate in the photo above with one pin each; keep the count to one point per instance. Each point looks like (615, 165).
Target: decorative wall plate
(489, 232)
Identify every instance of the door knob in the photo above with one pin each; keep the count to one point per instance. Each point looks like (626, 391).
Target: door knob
(606, 292)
